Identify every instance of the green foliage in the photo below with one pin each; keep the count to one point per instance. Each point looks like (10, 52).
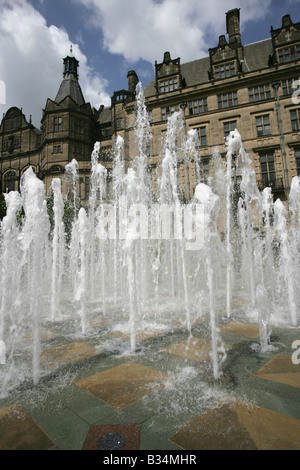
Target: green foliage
(21, 216)
(49, 203)
(68, 217)
(2, 206)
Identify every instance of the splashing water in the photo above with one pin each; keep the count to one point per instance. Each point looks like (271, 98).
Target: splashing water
(141, 259)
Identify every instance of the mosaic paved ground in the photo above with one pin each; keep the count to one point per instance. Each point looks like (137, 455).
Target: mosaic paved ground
(125, 384)
(237, 425)
(229, 424)
(18, 431)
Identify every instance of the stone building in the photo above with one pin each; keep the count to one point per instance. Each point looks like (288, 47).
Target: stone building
(250, 87)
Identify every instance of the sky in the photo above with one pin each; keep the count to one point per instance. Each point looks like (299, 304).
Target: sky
(111, 37)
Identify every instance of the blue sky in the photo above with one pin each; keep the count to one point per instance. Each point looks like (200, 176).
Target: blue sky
(110, 37)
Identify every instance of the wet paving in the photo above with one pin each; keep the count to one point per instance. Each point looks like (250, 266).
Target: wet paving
(95, 394)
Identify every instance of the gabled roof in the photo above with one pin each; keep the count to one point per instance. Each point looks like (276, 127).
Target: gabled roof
(17, 120)
(256, 57)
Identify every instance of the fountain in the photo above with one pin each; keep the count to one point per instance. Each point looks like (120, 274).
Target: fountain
(139, 258)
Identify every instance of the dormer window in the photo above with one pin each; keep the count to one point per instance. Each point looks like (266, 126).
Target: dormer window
(167, 74)
(168, 85)
(225, 59)
(289, 54)
(225, 70)
(286, 43)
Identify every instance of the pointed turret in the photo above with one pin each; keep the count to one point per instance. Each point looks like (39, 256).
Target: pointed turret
(70, 85)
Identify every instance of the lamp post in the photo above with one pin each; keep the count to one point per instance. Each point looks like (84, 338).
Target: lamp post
(183, 105)
(276, 85)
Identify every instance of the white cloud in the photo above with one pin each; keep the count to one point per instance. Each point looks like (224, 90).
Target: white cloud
(147, 28)
(31, 60)
(31, 51)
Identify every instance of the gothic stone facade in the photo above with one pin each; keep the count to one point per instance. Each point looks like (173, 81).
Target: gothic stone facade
(248, 87)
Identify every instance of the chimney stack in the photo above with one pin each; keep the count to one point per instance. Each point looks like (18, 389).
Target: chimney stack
(133, 80)
(286, 21)
(233, 26)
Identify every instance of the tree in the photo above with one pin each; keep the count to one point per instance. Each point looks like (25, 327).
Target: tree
(2, 206)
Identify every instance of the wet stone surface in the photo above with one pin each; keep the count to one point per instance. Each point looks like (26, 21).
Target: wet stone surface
(112, 441)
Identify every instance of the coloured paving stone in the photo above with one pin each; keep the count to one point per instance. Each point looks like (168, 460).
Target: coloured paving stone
(241, 329)
(98, 322)
(140, 336)
(195, 349)
(281, 369)
(113, 437)
(19, 431)
(66, 353)
(236, 425)
(125, 384)
(48, 335)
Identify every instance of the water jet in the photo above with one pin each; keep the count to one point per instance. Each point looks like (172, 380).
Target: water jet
(139, 258)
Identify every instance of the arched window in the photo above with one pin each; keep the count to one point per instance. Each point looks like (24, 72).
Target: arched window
(56, 169)
(26, 168)
(9, 181)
